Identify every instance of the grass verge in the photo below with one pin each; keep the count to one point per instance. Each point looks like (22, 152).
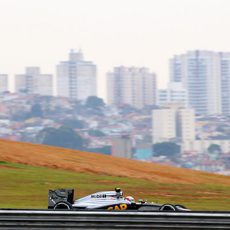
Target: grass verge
(24, 186)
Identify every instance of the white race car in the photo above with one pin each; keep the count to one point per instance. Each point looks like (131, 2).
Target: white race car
(62, 199)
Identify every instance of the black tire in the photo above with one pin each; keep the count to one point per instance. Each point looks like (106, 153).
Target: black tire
(167, 208)
(63, 205)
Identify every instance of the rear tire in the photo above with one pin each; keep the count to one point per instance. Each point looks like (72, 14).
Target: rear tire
(63, 205)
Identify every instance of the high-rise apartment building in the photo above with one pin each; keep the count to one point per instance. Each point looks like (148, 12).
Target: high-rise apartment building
(173, 124)
(4, 83)
(225, 82)
(76, 78)
(33, 82)
(175, 93)
(185, 124)
(206, 77)
(132, 86)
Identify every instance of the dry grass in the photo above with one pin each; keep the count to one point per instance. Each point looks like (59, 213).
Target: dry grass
(78, 161)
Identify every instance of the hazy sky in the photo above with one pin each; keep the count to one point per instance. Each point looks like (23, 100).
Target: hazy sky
(109, 32)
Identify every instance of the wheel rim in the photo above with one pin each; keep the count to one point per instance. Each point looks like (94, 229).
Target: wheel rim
(62, 206)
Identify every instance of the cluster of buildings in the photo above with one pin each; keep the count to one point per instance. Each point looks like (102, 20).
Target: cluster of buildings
(75, 78)
(179, 125)
(18, 121)
(198, 80)
(199, 86)
(120, 130)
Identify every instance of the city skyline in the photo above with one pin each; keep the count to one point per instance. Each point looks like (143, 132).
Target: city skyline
(110, 33)
(198, 80)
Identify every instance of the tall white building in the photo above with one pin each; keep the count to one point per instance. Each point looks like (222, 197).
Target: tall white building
(132, 86)
(174, 93)
(76, 78)
(164, 125)
(33, 82)
(4, 86)
(185, 122)
(173, 124)
(206, 77)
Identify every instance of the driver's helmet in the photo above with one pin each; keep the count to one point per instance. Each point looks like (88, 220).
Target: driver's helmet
(130, 199)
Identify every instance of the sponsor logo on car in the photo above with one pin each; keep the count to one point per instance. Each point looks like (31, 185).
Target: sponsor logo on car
(118, 207)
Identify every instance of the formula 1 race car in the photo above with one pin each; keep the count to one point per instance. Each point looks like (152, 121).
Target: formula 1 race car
(62, 199)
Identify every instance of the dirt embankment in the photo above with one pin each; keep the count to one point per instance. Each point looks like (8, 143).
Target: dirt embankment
(52, 157)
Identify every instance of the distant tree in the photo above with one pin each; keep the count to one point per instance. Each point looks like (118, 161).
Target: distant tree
(47, 136)
(104, 150)
(127, 109)
(5, 92)
(46, 98)
(168, 149)
(221, 128)
(96, 133)
(23, 91)
(19, 115)
(36, 111)
(62, 137)
(94, 102)
(74, 123)
(214, 148)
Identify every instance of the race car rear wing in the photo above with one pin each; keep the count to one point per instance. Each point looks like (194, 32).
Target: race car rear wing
(58, 195)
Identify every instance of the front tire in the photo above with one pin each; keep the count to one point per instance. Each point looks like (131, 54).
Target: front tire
(167, 208)
(63, 205)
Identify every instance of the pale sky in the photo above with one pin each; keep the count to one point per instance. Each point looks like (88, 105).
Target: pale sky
(109, 32)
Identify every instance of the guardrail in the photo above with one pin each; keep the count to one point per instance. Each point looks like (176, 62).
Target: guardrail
(45, 219)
